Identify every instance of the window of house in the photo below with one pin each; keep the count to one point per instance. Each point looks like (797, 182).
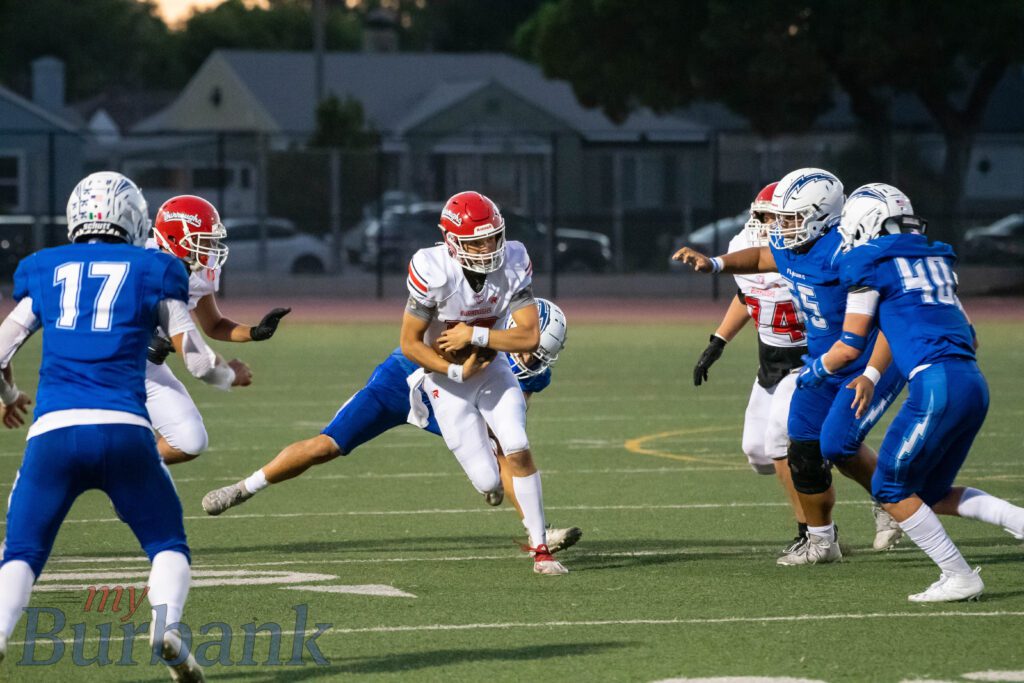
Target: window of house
(10, 182)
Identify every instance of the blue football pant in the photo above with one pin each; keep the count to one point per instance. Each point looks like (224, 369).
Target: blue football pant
(119, 459)
(381, 405)
(927, 443)
(823, 413)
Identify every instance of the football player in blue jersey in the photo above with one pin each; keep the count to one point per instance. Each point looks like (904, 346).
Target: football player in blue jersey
(383, 404)
(97, 301)
(899, 282)
(823, 428)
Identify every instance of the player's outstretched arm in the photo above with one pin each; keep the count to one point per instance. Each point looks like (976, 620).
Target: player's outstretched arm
(752, 260)
(15, 329)
(218, 327)
(735, 318)
(200, 360)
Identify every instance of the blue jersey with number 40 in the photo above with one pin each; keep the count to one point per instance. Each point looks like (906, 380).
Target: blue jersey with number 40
(918, 309)
(814, 280)
(98, 305)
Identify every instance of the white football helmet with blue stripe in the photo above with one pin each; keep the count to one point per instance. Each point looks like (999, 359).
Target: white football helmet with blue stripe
(874, 210)
(806, 202)
(553, 332)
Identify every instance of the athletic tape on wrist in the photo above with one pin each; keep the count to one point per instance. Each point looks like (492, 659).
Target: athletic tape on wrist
(872, 374)
(716, 264)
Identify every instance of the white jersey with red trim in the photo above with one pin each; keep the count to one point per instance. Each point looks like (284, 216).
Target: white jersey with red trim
(200, 283)
(770, 303)
(436, 280)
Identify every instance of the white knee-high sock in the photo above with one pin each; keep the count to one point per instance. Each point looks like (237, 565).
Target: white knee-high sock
(924, 528)
(16, 579)
(168, 584)
(975, 504)
(531, 500)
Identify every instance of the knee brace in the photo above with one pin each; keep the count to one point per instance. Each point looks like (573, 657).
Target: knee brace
(811, 474)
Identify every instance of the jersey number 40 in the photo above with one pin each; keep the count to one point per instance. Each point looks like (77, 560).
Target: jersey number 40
(68, 276)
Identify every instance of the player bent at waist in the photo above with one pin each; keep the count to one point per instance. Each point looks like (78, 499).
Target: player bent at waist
(900, 282)
(383, 404)
(804, 248)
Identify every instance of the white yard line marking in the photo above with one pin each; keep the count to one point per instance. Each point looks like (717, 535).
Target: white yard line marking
(475, 511)
(377, 589)
(67, 581)
(797, 618)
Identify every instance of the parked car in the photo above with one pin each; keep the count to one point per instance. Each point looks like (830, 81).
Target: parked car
(703, 238)
(406, 229)
(1001, 242)
(288, 250)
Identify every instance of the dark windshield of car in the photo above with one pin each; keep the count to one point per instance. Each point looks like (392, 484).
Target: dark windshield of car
(420, 228)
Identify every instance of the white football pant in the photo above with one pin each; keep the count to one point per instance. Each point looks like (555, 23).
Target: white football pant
(464, 411)
(765, 430)
(173, 413)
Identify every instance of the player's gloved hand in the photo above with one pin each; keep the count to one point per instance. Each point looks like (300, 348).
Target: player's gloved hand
(268, 326)
(812, 374)
(159, 349)
(712, 353)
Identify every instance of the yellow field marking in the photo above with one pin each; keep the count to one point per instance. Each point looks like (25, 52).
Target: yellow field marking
(639, 445)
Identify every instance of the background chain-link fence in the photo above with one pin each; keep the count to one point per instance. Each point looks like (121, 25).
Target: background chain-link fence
(359, 214)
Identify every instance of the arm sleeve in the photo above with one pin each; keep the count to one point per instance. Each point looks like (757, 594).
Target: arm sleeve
(420, 310)
(203, 363)
(15, 329)
(521, 299)
(174, 317)
(862, 300)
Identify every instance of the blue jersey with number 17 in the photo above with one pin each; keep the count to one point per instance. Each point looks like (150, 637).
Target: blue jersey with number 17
(98, 305)
(813, 277)
(918, 309)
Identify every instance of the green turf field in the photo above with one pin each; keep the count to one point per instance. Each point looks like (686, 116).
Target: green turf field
(675, 576)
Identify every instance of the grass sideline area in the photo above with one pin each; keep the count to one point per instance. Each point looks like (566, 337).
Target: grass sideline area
(674, 578)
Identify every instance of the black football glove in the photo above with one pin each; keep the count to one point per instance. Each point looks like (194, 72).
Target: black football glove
(159, 349)
(268, 326)
(712, 353)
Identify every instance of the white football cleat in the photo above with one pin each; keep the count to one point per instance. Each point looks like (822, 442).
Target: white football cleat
(952, 588)
(560, 539)
(817, 550)
(1019, 535)
(219, 500)
(794, 545)
(544, 563)
(887, 530)
(189, 670)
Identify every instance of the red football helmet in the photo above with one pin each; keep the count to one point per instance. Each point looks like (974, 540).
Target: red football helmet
(189, 227)
(761, 216)
(470, 219)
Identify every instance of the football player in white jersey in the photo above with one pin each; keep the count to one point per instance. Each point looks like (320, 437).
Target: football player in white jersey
(458, 291)
(189, 227)
(764, 298)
